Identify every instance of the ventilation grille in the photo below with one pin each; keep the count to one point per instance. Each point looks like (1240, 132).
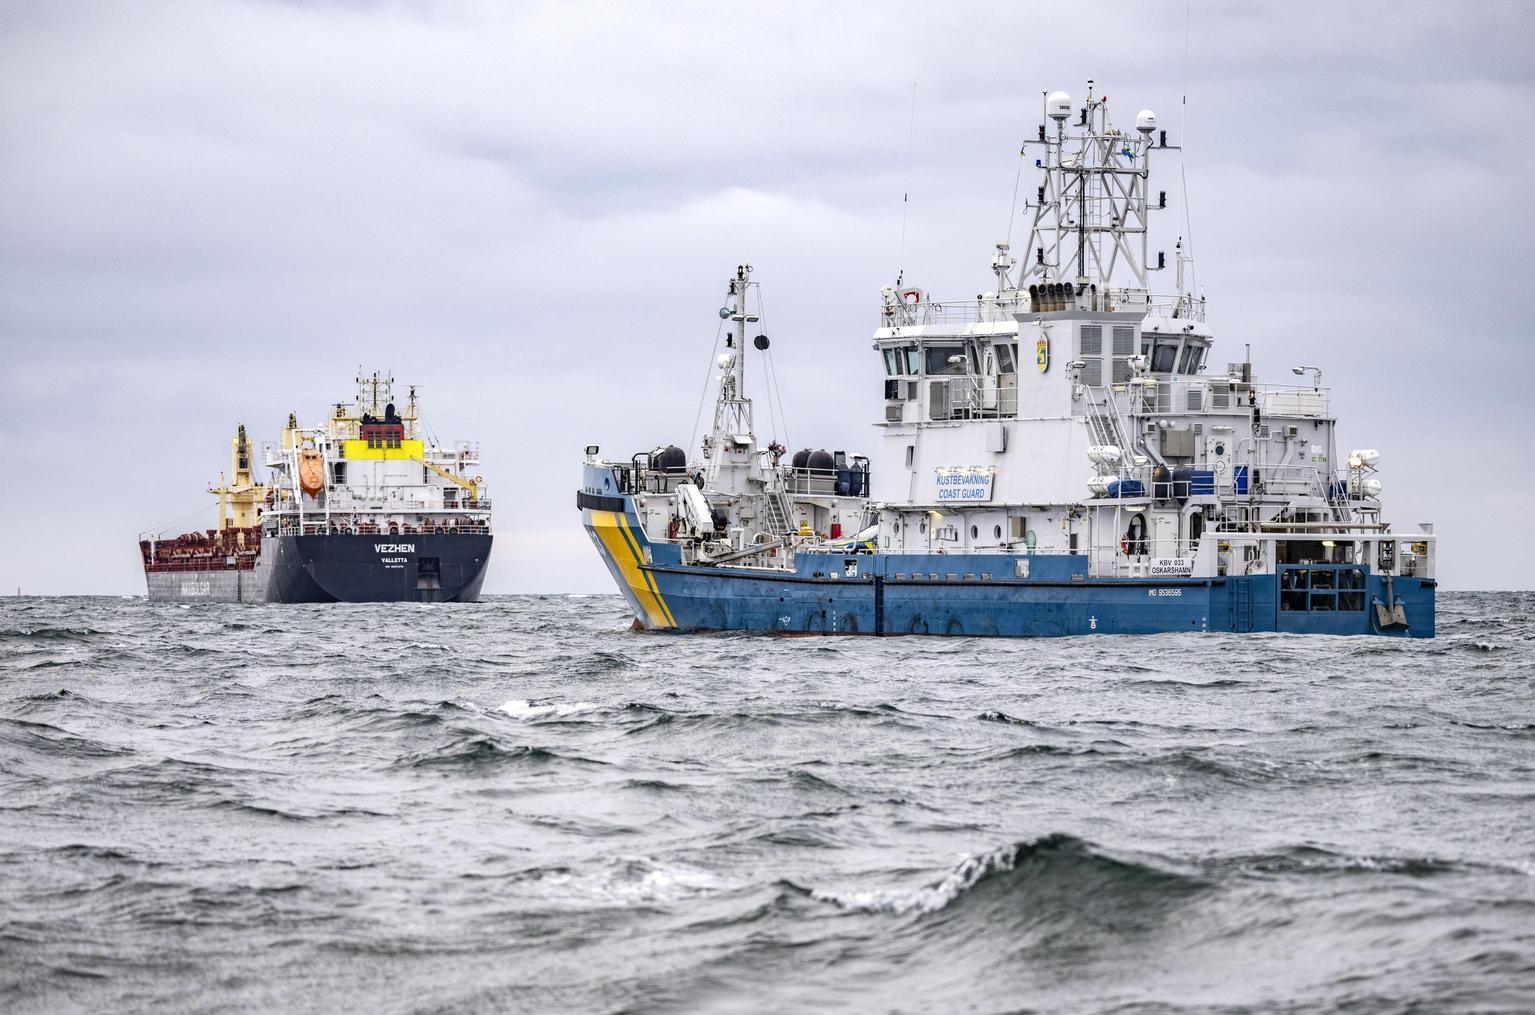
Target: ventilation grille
(1121, 369)
(1092, 372)
(1124, 340)
(938, 399)
(1092, 339)
(1196, 400)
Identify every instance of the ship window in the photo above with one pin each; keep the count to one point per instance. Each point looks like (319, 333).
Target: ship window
(1190, 362)
(946, 359)
(893, 359)
(913, 361)
(1005, 359)
(1164, 357)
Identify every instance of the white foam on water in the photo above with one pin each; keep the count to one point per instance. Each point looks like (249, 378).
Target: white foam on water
(930, 898)
(521, 708)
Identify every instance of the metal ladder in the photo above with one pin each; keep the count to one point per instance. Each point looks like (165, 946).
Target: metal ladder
(778, 510)
(1242, 605)
(1103, 421)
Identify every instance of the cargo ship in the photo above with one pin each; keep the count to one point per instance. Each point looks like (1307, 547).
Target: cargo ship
(1061, 456)
(359, 509)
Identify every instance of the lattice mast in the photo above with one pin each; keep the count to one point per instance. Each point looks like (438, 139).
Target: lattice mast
(1092, 210)
(732, 409)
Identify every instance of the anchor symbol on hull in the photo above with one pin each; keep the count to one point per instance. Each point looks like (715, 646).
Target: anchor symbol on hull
(1092, 623)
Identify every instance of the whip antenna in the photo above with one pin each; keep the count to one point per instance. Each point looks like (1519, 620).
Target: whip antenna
(911, 130)
(1183, 139)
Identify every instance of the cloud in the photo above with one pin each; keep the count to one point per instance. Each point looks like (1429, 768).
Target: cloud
(215, 213)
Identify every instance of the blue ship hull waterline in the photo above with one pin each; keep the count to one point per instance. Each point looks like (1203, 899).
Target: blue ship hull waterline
(984, 595)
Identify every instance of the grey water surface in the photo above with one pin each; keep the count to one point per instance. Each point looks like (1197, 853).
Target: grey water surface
(522, 805)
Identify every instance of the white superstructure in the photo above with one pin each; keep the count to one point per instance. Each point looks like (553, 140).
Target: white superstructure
(1074, 410)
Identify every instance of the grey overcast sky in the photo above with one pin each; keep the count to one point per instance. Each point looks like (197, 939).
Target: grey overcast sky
(214, 212)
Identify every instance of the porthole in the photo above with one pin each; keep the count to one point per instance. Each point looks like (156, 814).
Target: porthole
(975, 532)
(996, 530)
(922, 526)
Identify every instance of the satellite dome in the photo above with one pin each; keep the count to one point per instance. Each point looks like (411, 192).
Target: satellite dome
(1145, 121)
(1058, 105)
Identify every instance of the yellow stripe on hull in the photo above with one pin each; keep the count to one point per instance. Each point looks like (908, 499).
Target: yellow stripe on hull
(619, 543)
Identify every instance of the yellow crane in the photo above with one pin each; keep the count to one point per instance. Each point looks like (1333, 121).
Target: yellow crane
(472, 485)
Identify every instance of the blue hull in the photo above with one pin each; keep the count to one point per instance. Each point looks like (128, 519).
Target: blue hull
(989, 595)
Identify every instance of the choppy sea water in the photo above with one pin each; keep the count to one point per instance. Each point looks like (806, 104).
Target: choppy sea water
(522, 805)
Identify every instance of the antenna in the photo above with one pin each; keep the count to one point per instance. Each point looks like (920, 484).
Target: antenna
(1183, 178)
(911, 130)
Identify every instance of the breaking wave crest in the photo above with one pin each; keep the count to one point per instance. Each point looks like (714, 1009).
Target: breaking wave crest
(1053, 866)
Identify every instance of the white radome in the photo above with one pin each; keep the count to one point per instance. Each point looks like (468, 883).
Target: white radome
(1145, 121)
(1058, 105)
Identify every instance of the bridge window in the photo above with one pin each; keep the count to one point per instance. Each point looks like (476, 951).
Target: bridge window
(1005, 358)
(947, 359)
(1164, 356)
(1191, 357)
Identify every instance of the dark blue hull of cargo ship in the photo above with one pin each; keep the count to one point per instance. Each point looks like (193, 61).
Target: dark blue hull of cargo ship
(350, 568)
(991, 594)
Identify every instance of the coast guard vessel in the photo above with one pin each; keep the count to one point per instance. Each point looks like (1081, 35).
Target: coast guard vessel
(1060, 456)
(358, 509)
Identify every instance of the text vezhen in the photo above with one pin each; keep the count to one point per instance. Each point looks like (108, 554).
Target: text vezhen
(394, 547)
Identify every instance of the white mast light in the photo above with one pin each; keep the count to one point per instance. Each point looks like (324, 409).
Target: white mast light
(1058, 105)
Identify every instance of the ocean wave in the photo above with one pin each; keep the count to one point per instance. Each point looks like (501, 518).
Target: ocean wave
(48, 739)
(1056, 863)
(1317, 860)
(525, 709)
(992, 715)
(622, 882)
(51, 633)
(476, 751)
